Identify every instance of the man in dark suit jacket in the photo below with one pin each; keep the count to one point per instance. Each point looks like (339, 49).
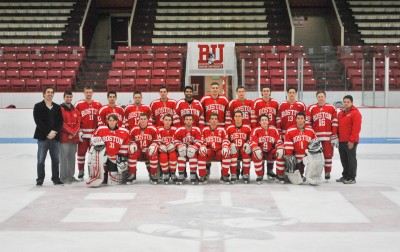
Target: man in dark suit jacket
(49, 121)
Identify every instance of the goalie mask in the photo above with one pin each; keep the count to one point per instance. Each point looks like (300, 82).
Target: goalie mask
(315, 146)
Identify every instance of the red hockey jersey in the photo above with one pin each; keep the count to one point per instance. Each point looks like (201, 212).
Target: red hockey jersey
(132, 112)
(160, 108)
(107, 110)
(287, 112)
(194, 108)
(297, 142)
(188, 136)
(116, 141)
(244, 106)
(267, 139)
(323, 120)
(238, 135)
(218, 106)
(144, 137)
(166, 136)
(260, 107)
(215, 139)
(89, 113)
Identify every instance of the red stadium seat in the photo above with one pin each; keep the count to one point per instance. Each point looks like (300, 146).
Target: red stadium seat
(248, 64)
(2, 74)
(159, 73)
(51, 49)
(9, 57)
(14, 65)
(40, 74)
(33, 85)
(160, 65)
(75, 57)
(162, 49)
(143, 73)
(115, 74)
(134, 57)
(272, 56)
(17, 85)
(55, 74)
(174, 65)
(130, 74)
(124, 49)
(175, 56)
(121, 57)
(250, 81)
(146, 65)
(118, 65)
(12, 74)
(147, 57)
(292, 73)
(78, 50)
(36, 57)
(277, 84)
(26, 74)
(276, 73)
(156, 84)
(25, 49)
(113, 84)
(49, 57)
(71, 65)
(143, 85)
(161, 56)
(62, 57)
(23, 57)
(57, 65)
(136, 49)
(4, 85)
(127, 84)
(265, 82)
(64, 84)
(174, 73)
(132, 65)
(49, 83)
(3, 66)
(42, 65)
(64, 49)
(264, 73)
(275, 65)
(250, 73)
(28, 65)
(37, 49)
(173, 84)
(176, 49)
(68, 74)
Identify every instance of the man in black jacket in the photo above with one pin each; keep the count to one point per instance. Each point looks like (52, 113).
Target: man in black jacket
(49, 121)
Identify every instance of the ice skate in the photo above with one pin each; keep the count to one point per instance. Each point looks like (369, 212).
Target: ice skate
(81, 174)
(180, 178)
(202, 180)
(259, 179)
(193, 178)
(233, 178)
(327, 176)
(174, 178)
(225, 179)
(165, 178)
(246, 178)
(153, 179)
(271, 175)
(281, 179)
(131, 179)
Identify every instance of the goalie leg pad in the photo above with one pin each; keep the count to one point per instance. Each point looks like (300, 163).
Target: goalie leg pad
(96, 168)
(295, 177)
(291, 170)
(314, 167)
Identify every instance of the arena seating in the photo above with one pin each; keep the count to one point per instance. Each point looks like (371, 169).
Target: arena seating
(272, 66)
(40, 66)
(352, 58)
(146, 68)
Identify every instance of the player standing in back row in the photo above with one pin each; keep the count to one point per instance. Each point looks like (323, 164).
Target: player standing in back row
(214, 104)
(161, 107)
(240, 104)
(323, 119)
(89, 110)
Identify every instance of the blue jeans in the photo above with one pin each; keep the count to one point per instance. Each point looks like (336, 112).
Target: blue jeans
(53, 146)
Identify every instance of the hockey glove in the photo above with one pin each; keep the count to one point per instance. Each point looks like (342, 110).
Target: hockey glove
(279, 153)
(257, 152)
(233, 149)
(163, 148)
(97, 143)
(171, 147)
(203, 151)
(182, 150)
(153, 149)
(132, 148)
(122, 163)
(191, 151)
(335, 141)
(224, 151)
(247, 148)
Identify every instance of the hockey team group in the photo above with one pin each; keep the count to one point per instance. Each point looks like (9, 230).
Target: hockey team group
(168, 134)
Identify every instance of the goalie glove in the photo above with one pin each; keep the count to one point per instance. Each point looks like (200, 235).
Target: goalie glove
(163, 148)
(224, 151)
(233, 149)
(335, 141)
(203, 150)
(171, 147)
(97, 143)
(257, 152)
(279, 153)
(247, 148)
(132, 148)
(80, 134)
(153, 148)
(191, 151)
(182, 150)
(122, 164)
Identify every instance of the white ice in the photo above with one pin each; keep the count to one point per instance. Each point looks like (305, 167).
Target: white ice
(215, 217)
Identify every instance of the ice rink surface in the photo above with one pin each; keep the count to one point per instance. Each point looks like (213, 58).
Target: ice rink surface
(215, 217)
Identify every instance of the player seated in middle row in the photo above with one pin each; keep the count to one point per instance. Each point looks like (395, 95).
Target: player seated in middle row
(266, 143)
(215, 147)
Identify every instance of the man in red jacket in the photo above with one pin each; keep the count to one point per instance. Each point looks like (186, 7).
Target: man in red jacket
(69, 139)
(349, 119)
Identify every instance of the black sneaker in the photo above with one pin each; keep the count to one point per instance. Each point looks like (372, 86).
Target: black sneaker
(349, 181)
(341, 179)
(58, 182)
(38, 183)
